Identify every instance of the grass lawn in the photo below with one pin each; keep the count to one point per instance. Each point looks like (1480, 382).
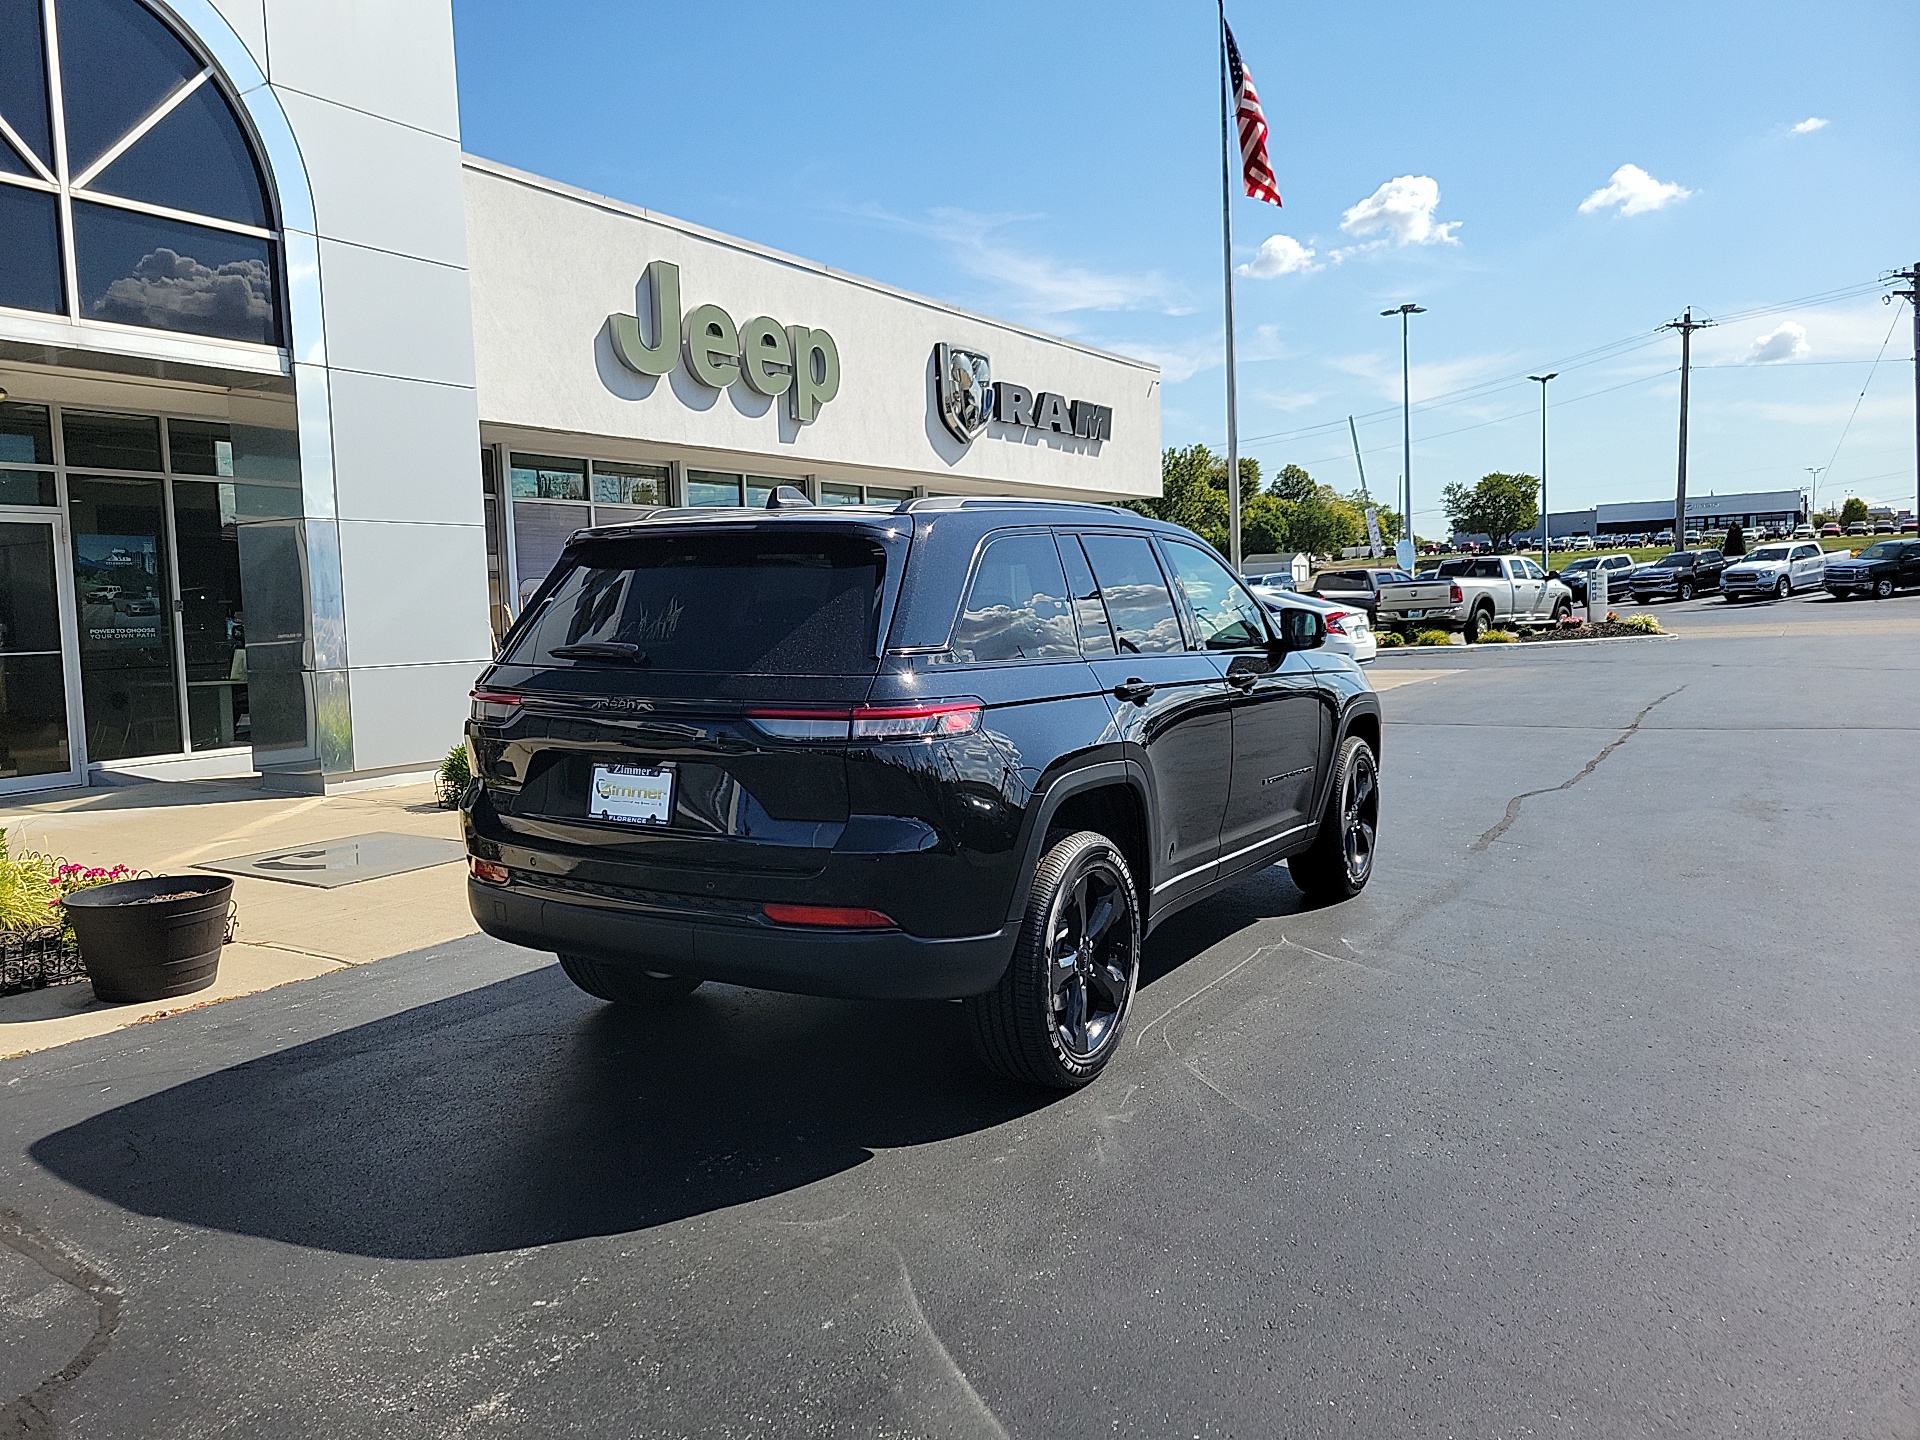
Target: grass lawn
(1642, 554)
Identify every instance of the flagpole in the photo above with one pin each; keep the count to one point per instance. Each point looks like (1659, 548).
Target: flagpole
(1227, 148)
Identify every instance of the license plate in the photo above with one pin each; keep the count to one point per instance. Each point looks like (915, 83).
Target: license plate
(632, 794)
(1416, 614)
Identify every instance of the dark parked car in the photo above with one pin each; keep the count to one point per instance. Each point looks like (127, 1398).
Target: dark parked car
(1359, 588)
(1574, 576)
(1879, 570)
(960, 749)
(1677, 576)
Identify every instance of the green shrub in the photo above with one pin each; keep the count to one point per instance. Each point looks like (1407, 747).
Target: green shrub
(28, 896)
(1433, 637)
(456, 771)
(1497, 637)
(1643, 624)
(1389, 639)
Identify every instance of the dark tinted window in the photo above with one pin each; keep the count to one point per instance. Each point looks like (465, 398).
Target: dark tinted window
(199, 447)
(1090, 616)
(30, 270)
(139, 270)
(117, 62)
(195, 159)
(1482, 570)
(1138, 602)
(1342, 580)
(26, 435)
(1016, 607)
(1227, 617)
(111, 442)
(738, 604)
(23, 78)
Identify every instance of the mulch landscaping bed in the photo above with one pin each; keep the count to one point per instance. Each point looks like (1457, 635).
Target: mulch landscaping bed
(1605, 630)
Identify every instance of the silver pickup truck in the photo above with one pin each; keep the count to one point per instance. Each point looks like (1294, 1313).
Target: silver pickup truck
(1474, 594)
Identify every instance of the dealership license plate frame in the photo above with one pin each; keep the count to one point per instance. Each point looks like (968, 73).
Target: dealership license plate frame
(644, 813)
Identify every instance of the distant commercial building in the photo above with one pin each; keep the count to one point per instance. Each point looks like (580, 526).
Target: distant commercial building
(1751, 510)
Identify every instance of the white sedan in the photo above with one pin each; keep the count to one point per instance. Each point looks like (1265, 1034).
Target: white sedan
(1348, 632)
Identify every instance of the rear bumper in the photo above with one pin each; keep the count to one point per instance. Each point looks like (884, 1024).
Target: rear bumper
(844, 964)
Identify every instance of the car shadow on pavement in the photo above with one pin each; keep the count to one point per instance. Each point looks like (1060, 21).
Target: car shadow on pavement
(522, 1113)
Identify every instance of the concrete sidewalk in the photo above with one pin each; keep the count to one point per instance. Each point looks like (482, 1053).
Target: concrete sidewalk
(287, 932)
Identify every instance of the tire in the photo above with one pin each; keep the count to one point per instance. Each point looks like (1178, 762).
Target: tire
(1332, 868)
(626, 984)
(1883, 588)
(1057, 1015)
(1782, 588)
(1478, 619)
(1560, 612)
(1685, 591)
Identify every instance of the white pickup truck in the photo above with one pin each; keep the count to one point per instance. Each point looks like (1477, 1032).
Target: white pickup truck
(1474, 594)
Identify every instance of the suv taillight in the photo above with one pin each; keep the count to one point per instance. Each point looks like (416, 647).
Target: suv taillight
(1454, 595)
(493, 706)
(925, 719)
(913, 720)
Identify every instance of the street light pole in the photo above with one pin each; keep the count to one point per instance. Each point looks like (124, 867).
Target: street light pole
(1546, 524)
(1406, 411)
(1813, 500)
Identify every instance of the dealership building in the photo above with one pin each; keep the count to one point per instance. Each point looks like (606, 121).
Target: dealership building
(1712, 514)
(300, 401)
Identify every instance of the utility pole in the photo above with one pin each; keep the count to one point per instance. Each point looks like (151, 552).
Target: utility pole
(1228, 146)
(1546, 524)
(1912, 296)
(1686, 325)
(1406, 410)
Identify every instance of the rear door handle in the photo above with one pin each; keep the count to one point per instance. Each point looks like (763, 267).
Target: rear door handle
(1133, 689)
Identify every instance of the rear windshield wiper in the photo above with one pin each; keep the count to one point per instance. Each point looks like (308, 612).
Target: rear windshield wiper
(601, 650)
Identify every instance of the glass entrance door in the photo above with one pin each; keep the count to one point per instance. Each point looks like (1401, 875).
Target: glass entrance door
(38, 745)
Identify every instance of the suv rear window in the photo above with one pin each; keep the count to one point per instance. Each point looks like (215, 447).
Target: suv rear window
(724, 604)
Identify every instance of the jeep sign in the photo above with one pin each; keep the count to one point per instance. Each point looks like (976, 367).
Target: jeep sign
(773, 359)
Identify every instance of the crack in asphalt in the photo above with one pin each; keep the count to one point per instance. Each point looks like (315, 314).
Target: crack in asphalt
(32, 1413)
(1513, 806)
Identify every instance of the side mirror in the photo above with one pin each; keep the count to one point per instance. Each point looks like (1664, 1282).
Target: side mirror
(1301, 630)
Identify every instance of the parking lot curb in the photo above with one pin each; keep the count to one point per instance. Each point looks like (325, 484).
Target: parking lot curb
(1405, 651)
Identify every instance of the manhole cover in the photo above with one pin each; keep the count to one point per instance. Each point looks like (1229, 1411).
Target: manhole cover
(344, 862)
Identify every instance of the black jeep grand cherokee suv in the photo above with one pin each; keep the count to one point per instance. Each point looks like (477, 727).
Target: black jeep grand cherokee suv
(968, 749)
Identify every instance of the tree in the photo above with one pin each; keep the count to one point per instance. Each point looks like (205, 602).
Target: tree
(1853, 510)
(1389, 519)
(1266, 525)
(1500, 506)
(1295, 484)
(1736, 541)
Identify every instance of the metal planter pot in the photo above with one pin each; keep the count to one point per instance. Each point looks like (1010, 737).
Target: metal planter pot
(151, 939)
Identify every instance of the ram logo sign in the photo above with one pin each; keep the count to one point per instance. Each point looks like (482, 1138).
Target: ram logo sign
(967, 396)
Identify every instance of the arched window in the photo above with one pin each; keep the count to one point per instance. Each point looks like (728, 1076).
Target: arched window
(129, 192)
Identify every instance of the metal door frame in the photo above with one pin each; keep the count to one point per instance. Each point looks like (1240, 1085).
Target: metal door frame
(69, 620)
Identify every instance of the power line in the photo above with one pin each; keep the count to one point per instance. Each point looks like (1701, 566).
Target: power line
(1863, 394)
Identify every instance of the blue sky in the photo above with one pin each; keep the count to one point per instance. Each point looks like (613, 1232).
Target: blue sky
(1058, 165)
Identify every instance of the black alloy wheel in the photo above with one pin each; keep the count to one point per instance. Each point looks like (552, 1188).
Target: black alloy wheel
(1056, 1017)
(1782, 588)
(1686, 590)
(1883, 587)
(1339, 863)
(626, 984)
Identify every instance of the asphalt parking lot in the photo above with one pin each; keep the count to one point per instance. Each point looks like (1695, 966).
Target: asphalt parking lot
(1593, 1116)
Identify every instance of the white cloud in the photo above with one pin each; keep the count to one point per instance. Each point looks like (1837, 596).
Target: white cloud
(1400, 212)
(1031, 285)
(1634, 191)
(170, 291)
(1786, 341)
(1279, 255)
(1811, 124)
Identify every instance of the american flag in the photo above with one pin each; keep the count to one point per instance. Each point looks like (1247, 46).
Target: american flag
(1253, 127)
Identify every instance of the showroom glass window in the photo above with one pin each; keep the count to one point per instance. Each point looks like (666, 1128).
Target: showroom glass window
(156, 515)
(554, 495)
(137, 199)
